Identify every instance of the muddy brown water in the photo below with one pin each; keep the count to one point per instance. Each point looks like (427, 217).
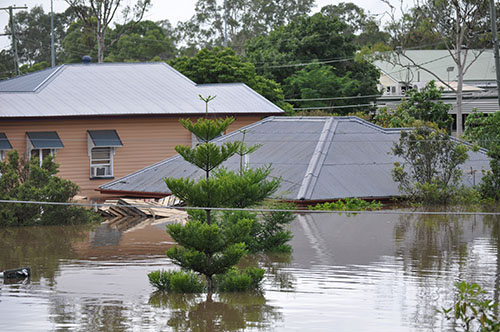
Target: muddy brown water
(346, 273)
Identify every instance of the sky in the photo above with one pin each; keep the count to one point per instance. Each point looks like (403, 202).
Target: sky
(173, 10)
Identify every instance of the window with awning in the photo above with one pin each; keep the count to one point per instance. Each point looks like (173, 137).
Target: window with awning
(4, 145)
(101, 149)
(41, 144)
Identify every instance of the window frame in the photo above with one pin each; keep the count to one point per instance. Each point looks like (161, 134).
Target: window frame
(52, 152)
(109, 165)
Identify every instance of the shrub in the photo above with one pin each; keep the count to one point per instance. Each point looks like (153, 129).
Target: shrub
(25, 180)
(472, 310)
(176, 281)
(490, 185)
(236, 280)
(430, 172)
(267, 233)
(348, 204)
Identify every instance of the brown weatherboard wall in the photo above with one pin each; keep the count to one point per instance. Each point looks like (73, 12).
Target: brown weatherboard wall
(146, 140)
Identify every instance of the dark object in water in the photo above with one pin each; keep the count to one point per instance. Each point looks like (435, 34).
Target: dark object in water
(21, 272)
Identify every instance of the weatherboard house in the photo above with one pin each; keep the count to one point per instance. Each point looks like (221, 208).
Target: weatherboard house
(317, 158)
(104, 121)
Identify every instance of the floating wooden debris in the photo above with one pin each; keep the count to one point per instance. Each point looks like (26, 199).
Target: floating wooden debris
(140, 209)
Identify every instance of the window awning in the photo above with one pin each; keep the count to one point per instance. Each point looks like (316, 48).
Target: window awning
(45, 140)
(104, 138)
(4, 142)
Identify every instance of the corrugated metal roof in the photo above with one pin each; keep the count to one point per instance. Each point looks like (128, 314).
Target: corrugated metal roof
(317, 158)
(29, 82)
(122, 89)
(436, 61)
(469, 104)
(4, 142)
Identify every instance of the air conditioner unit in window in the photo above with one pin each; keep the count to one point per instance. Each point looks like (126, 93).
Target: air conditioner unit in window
(99, 171)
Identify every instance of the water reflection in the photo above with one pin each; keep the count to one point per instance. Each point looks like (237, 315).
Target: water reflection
(40, 247)
(275, 265)
(425, 242)
(226, 312)
(361, 273)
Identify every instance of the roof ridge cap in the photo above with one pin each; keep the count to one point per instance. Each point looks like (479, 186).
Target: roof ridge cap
(317, 159)
(53, 74)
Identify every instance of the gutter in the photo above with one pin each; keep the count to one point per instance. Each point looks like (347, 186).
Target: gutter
(126, 193)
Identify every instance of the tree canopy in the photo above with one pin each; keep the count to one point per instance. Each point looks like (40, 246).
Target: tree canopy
(222, 65)
(310, 52)
(33, 34)
(97, 15)
(238, 20)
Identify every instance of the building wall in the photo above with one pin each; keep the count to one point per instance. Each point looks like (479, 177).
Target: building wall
(145, 141)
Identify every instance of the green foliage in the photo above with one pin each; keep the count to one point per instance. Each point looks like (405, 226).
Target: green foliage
(79, 41)
(141, 41)
(222, 65)
(176, 281)
(25, 69)
(303, 41)
(364, 26)
(23, 180)
(394, 118)
(316, 81)
(33, 34)
(348, 204)
(245, 19)
(270, 232)
(424, 105)
(490, 184)
(273, 233)
(235, 280)
(430, 173)
(208, 156)
(415, 29)
(207, 248)
(211, 248)
(207, 130)
(483, 129)
(6, 64)
(246, 187)
(472, 310)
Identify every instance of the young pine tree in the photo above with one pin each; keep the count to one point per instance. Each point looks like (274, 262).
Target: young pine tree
(207, 247)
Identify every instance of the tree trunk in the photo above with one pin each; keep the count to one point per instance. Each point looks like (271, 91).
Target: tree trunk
(209, 288)
(100, 46)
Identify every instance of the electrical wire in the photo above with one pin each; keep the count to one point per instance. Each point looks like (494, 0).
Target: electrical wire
(370, 212)
(331, 107)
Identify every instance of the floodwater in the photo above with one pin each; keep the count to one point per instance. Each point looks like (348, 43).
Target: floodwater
(391, 272)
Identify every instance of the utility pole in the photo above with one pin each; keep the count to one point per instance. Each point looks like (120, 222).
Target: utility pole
(225, 23)
(494, 32)
(52, 48)
(13, 33)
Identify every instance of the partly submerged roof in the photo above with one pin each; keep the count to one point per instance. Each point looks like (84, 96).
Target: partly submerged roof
(400, 69)
(122, 89)
(317, 158)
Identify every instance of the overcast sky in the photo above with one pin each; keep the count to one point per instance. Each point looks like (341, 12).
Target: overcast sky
(173, 10)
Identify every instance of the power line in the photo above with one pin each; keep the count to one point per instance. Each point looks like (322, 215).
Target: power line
(331, 107)
(370, 212)
(332, 98)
